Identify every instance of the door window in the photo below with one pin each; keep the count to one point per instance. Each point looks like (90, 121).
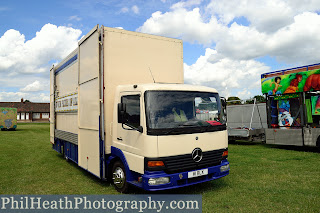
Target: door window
(132, 103)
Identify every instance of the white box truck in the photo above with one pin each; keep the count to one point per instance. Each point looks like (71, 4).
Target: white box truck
(120, 111)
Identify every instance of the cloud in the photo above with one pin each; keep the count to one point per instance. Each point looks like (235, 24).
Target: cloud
(34, 87)
(135, 9)
(50, 43)
(16, 97)
(292, 39)
(297, 42)
(230, 77)
(185, 4)
(4, 9)
(75, 18)
(185, 24)
(266, 16)
(25, 65)
(124, 10)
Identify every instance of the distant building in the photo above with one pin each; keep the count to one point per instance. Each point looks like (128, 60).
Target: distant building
(29, 112)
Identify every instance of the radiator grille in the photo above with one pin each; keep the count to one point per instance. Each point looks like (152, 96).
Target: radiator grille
(185, 162)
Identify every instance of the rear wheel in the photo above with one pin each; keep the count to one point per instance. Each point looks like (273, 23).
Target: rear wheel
(119, 177)
(318, 143)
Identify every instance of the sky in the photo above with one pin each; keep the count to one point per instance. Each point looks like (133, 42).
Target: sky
(227, 44)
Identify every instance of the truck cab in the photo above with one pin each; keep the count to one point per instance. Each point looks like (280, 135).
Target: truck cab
(162, 140)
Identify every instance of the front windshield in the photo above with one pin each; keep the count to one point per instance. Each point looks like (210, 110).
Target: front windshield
(195, 111)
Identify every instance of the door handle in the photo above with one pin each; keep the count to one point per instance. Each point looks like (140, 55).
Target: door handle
(119, 139)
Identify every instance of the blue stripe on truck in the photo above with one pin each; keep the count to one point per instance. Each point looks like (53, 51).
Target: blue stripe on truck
(70, 61)
(101, 152)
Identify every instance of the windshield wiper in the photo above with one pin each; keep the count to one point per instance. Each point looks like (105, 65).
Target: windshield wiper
(185, 124)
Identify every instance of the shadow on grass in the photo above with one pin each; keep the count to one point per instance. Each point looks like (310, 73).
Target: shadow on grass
(8, 130)
(87, 174)
(245, 143)
(193, 189)
(274, 146)
(294, 148)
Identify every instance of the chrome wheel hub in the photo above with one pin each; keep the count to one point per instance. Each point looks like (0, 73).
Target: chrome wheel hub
(118, 177)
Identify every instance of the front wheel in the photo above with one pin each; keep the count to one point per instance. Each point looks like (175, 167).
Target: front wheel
(119, 177)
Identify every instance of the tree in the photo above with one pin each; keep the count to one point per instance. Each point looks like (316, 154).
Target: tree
(233, 100)
(260, 99)
(27, 101)
(250, 101)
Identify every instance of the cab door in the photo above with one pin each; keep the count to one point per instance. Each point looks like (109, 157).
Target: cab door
(129, 139)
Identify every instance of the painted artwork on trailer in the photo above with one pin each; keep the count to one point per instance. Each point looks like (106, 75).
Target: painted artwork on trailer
(284, 117)
(8, 118)
(315, 105)
(288, 114)
(291, 83)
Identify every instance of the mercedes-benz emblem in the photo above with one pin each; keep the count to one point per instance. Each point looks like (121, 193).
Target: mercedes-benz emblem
(197, 155)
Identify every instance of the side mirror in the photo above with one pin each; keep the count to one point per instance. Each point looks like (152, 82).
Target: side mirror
(224, 106)
(121, 112)
(140, 129)
(223, 102)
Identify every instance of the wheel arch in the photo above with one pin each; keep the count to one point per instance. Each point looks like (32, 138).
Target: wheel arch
(117, 155)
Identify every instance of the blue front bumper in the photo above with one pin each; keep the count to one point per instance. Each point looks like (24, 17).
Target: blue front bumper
(181, 179)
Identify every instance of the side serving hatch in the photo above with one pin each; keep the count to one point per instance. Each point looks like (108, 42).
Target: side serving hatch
(91, 146)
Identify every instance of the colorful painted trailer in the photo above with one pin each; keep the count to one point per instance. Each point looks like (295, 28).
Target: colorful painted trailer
(8, 118)
(293, 106)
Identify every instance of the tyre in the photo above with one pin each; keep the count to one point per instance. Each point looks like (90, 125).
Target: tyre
(318, 143)
(119, 178)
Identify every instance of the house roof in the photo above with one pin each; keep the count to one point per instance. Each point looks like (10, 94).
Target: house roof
(27, 106)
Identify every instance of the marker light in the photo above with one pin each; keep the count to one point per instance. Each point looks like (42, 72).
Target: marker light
(225, 153)
(155, 164)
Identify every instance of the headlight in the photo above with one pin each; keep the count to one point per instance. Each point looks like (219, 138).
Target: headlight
(224, 168)
(158, 181)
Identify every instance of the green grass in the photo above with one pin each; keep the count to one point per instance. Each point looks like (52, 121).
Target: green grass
(263, 178)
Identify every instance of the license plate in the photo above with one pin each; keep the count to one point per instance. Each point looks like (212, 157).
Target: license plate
(197, 173)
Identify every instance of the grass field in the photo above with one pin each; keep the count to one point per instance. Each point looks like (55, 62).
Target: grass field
(263, 178)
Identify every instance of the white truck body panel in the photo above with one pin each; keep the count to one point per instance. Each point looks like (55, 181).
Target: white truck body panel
(142, 54)
(133, 58)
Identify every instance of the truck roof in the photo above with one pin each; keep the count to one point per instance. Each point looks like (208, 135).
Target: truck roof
(165, 86)
(74, 54)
